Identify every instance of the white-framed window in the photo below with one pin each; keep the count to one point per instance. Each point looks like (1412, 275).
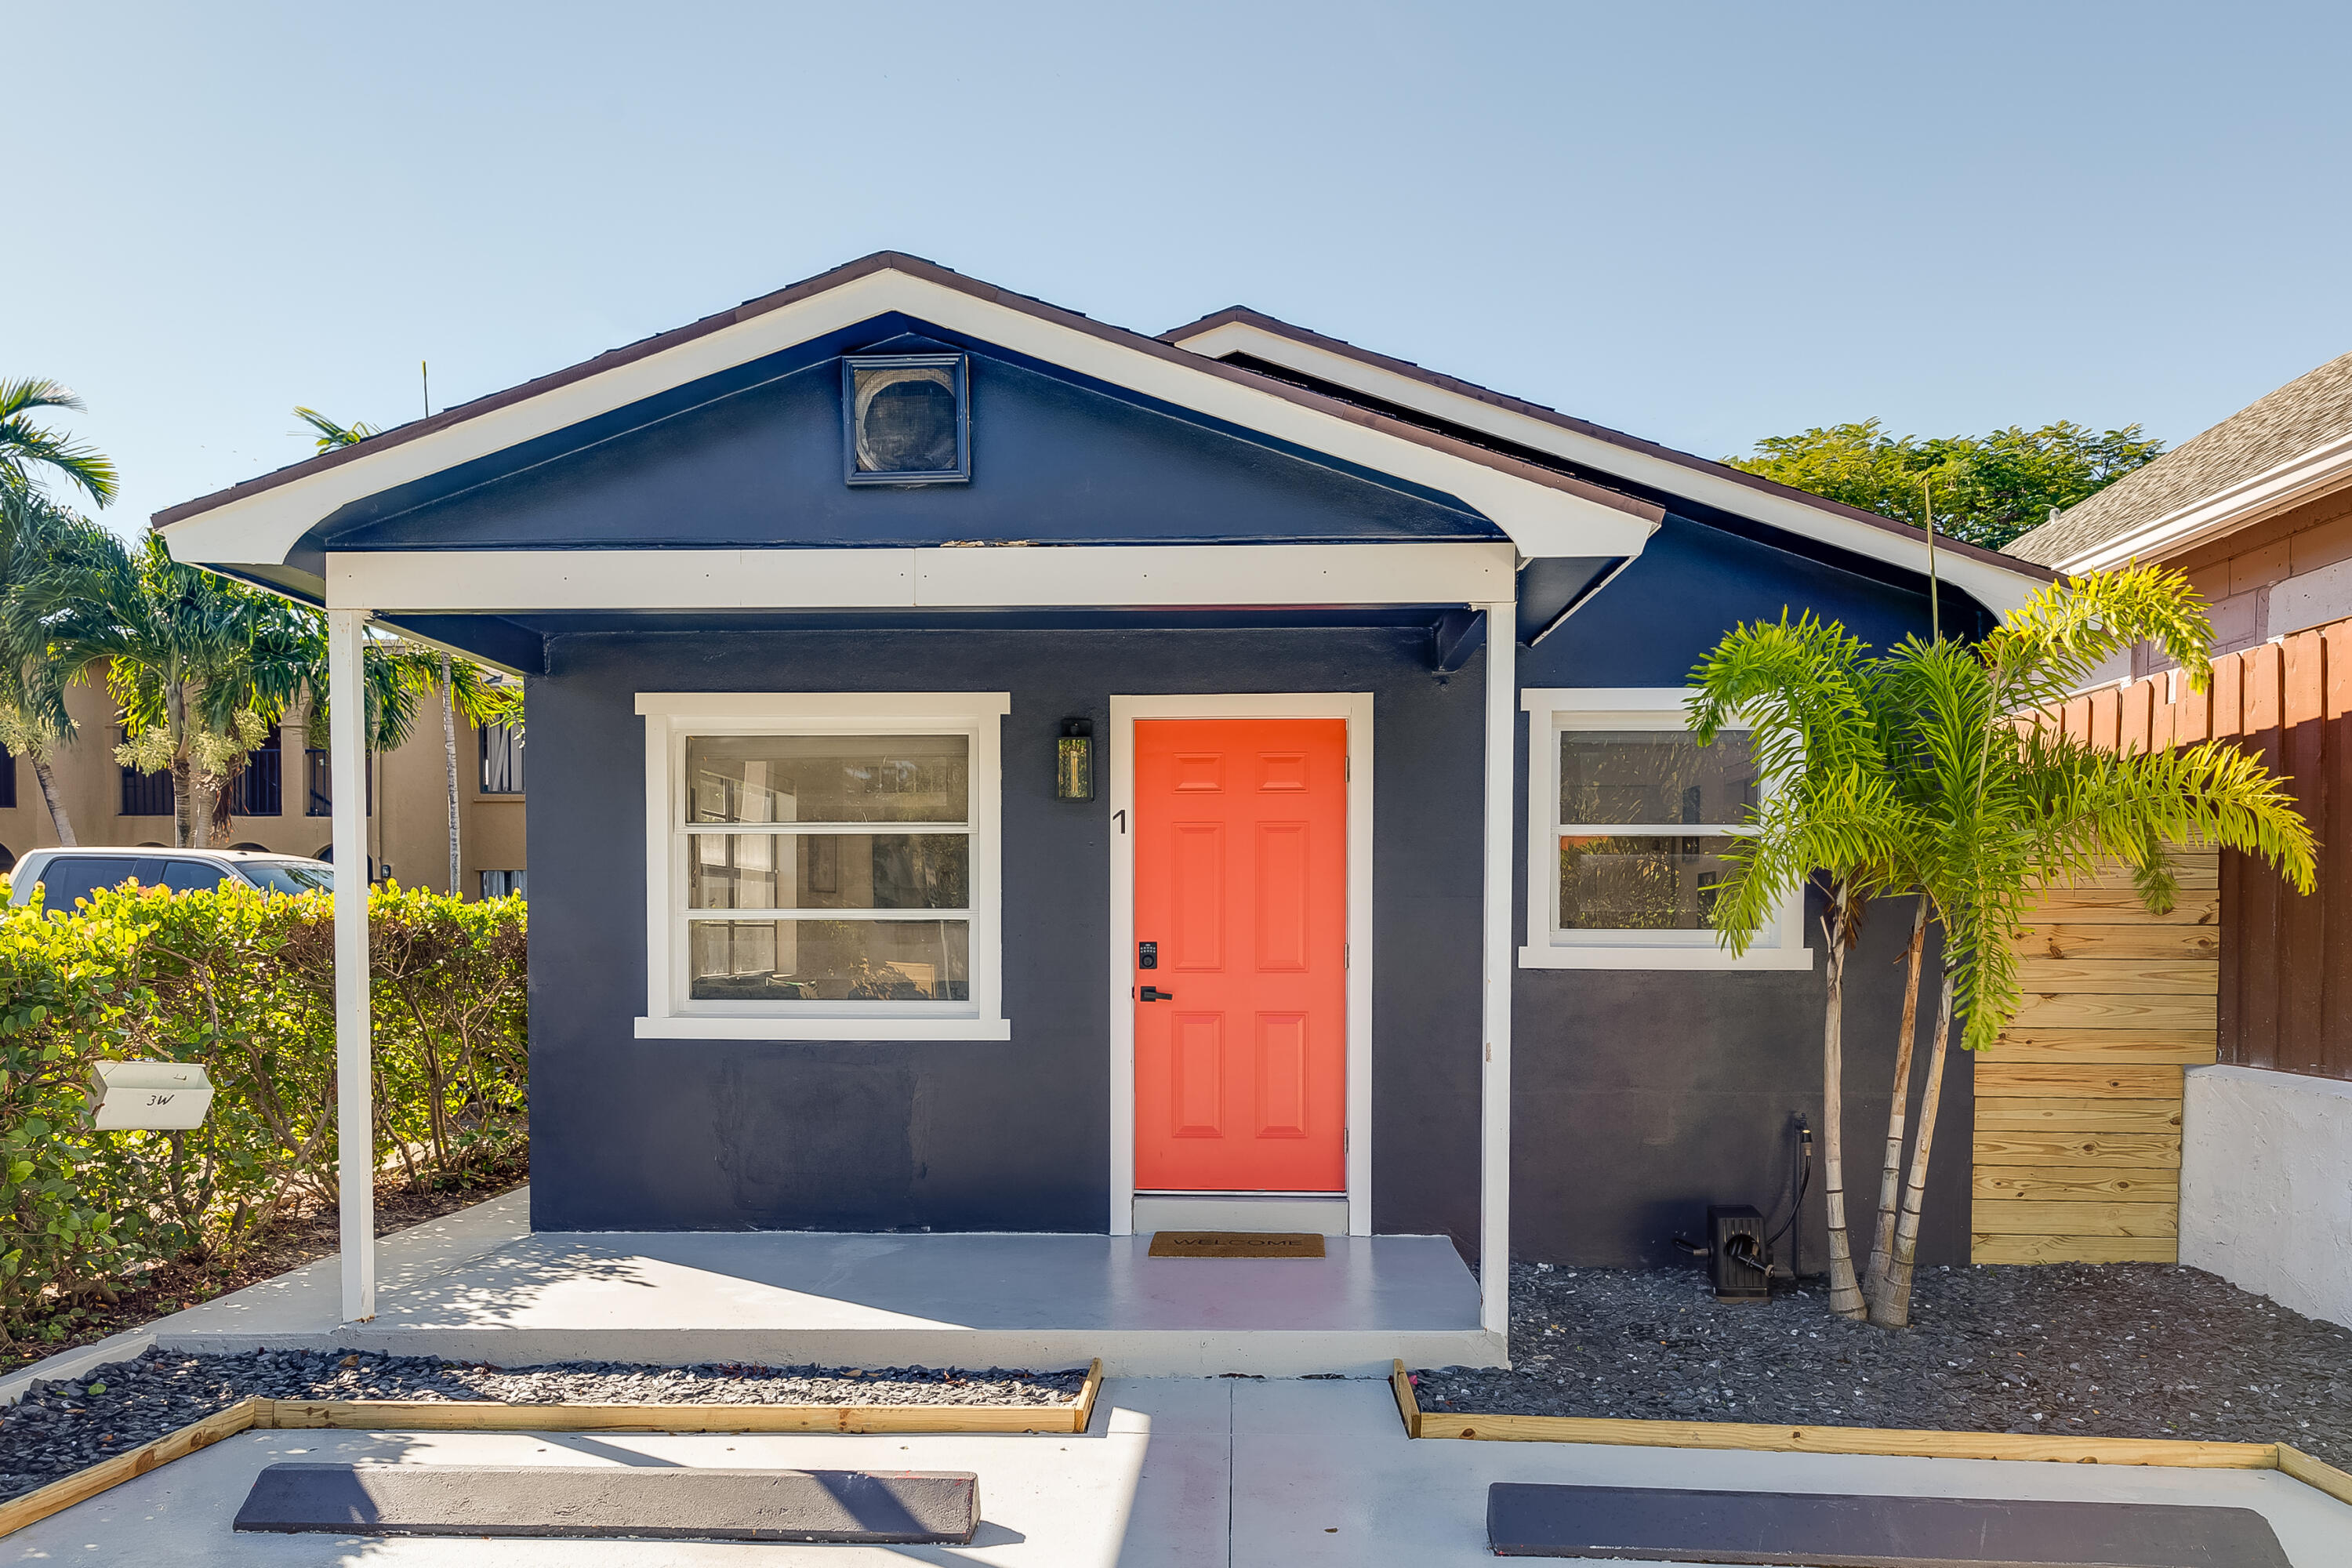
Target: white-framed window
(823, 866)
(1630, 819)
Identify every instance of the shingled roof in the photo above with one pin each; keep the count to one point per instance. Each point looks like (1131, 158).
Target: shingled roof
(2306, 413)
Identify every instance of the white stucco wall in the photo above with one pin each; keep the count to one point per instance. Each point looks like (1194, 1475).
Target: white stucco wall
(2266, 1186)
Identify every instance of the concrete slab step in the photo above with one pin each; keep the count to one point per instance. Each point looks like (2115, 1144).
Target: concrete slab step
(1648, 1524)
(584, 1503)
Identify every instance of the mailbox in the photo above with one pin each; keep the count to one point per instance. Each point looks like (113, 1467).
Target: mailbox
(149, 1094)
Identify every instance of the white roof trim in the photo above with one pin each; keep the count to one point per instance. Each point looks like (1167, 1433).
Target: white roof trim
(2249, 501)
(1542, 521)
(1997, 589)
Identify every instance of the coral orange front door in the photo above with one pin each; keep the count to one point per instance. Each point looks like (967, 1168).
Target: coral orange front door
(1239, 967)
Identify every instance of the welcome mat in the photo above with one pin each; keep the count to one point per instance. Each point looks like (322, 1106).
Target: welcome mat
(1235, 1244)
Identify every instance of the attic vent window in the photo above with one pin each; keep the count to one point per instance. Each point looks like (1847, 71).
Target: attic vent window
(908, 418)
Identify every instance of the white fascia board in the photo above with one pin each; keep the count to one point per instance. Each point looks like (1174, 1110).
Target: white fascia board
(1541, 520)
(2249, 501)
(1997, 590)
(517, 581)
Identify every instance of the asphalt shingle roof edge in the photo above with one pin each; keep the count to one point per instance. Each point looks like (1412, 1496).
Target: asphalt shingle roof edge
(2309, 411)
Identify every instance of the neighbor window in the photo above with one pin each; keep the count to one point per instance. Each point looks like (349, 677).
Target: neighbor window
(1633, 822)
(828, 867)
(501, 748)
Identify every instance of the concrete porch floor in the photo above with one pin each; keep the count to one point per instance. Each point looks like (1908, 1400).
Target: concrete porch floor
(489, 1289)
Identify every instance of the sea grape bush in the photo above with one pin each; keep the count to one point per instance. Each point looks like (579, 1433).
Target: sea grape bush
(242, 982)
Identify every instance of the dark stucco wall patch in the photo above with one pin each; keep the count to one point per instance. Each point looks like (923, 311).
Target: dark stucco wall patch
(690, 1134)
(1643, 1096)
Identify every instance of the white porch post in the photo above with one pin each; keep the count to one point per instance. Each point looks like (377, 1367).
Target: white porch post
(1494, 992)
(354, 1116)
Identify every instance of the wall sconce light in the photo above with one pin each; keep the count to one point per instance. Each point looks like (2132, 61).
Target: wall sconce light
(1074, 761)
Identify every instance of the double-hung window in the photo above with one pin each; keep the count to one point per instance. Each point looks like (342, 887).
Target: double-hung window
(1630, 822)
(824, 867)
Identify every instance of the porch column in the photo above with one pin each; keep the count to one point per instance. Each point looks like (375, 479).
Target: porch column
(354, 1113)
(1494, 991)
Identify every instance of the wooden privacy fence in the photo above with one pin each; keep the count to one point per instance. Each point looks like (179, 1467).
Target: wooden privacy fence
(2077, 1149)
(2285, 980)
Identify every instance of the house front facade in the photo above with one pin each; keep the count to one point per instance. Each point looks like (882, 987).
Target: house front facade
(996, 772)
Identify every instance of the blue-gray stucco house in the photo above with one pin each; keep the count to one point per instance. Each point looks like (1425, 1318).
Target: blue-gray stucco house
(992, 771)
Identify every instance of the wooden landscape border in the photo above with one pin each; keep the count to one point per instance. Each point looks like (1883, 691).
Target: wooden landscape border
(469, 1415)
(1758, 1438)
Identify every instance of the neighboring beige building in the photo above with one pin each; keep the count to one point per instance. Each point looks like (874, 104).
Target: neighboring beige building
(282, 801)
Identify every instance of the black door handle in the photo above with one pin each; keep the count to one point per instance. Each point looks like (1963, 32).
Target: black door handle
(1153, 993)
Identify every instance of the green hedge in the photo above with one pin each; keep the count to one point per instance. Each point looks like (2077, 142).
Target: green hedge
(242, 982)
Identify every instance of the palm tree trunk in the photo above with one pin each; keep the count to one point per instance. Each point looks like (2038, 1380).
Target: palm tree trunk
(56, 802)
(183, 805)
(1890, 1175)
(1845, 1295)
(449, 751)
(1892, 1309)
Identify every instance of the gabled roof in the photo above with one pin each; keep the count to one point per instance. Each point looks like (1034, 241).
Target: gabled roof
(1544, 513)
(2265, 457)
(1245, 337)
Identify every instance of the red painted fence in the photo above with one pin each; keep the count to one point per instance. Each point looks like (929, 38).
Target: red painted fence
(2287, 960)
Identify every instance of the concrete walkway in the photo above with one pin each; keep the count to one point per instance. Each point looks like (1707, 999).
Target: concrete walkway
(1202, 1473)
(302, 1301)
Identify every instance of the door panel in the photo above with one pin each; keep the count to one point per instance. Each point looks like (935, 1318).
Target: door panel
(1241, 861)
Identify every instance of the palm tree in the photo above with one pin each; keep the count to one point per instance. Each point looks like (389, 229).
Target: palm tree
(1831, 815)
(28, 451)
(2004, 802)
(200, 666)
(36, 536)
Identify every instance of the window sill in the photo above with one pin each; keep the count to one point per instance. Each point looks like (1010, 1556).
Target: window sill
(1683, 958)
(827, 1029)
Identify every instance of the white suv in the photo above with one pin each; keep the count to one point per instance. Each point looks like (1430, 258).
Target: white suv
(70, 874)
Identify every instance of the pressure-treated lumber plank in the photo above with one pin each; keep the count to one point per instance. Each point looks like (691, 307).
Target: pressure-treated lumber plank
(2144, 940)
(1994, 1248)
(2197, 871)
(2072, 1183)
(1409, 1407)
(1087, 1395)
(2061, 1113)
(84, 1484)
(2073, 1010)
(2024, 1217)
(1762, 1439)
(468, 1416)
(2024, 1081)
(2102, 1047)
(2124, 1151)
(2116, 906)
(2120, 976)
(2311, 1472)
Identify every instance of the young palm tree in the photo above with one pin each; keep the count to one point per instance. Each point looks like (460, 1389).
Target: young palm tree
(29, 452)
(1831, 813)
(2003, 804)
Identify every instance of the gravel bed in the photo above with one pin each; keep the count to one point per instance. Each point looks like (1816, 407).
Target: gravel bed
(2123, 1350)
(62, 1425)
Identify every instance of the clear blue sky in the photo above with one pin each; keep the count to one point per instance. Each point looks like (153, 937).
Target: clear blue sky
(1703, 222)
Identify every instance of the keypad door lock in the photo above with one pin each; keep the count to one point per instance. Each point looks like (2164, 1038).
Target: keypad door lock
(1147, 955)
